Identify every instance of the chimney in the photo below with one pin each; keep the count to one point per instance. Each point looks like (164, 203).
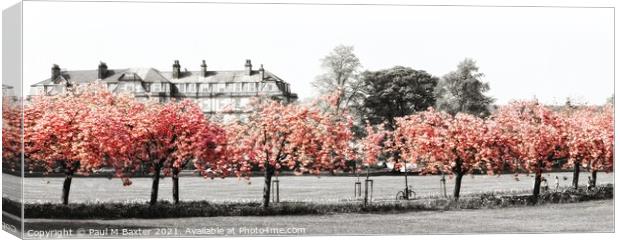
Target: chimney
(102, 70)
(176, 69)
(248, 67)
(203, 68)
(261, 70)
(55, 73)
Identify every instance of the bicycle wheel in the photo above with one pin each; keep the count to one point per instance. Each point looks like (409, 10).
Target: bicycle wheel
(400, 195)
(411, 194)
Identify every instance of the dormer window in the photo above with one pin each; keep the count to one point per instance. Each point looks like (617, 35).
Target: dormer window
(130, 77)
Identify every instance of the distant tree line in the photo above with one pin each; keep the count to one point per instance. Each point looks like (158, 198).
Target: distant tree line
(379, 97)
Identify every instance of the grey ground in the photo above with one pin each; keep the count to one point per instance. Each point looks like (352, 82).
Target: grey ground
(593, 216)
(292, 188)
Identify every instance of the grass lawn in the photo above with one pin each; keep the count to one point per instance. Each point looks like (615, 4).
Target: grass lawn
(592, 216)
(292, 188)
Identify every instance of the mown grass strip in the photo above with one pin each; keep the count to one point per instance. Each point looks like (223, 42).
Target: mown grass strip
(166, 209)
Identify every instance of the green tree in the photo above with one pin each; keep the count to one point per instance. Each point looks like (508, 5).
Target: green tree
(342, 69)
(463, 91)
(396, 92)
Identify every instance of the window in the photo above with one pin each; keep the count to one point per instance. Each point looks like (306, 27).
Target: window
(237, 103)
(191, 87)
(237, 87)
(181, 87)
(204, 88)
(269, 87)
(252, 87)
(205, 105)
(129, 87)
(222, 104)
(221, 88)
(155, 87)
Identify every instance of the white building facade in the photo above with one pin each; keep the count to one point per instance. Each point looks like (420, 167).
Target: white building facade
(224, 95)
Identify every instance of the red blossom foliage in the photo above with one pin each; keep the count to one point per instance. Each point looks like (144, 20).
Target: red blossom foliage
(298, 138)
(536, 135)
(440, 142)
(11, 134)
(590, 137)
(288, 136)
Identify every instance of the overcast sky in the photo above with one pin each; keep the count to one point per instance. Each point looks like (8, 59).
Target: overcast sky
(549, 53)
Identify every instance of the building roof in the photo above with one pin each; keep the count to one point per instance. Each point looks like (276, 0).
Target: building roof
(113, 75)
(153, 75)
(220, 76)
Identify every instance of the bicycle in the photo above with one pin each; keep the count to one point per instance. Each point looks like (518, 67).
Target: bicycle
(402, 195)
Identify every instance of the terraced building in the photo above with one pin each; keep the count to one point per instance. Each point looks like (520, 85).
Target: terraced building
(224, 95)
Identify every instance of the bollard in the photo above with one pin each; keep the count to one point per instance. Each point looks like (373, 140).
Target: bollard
(275, 194)
(357, 190)
(368, 183)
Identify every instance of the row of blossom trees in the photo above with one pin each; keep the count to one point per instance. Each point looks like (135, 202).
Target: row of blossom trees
(521, 136)
(88, 128)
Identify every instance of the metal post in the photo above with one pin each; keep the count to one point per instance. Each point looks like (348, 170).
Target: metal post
(371, 183)
(357, 192)
(366, 199)
(275, 185)
(277, 191)
(442, 184)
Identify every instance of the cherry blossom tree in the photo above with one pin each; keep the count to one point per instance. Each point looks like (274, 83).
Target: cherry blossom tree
(58, 131)
(454, 145)
(198, 141)
(605, 121)
(536, 135)
(374, 144)
(108, 135)
(299, 138)
(172, 135)
(590, 140)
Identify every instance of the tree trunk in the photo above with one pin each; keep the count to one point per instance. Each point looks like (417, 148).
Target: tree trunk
(458, 170)
(576, 175)
(175, 186)
(594, 178)
(537, 181)
(406, 184)
(155, 187)
(66, 186)
(457, 185)
(538, 178)
(269, 170)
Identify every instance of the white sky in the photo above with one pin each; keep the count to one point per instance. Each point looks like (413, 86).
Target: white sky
(550, 53)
